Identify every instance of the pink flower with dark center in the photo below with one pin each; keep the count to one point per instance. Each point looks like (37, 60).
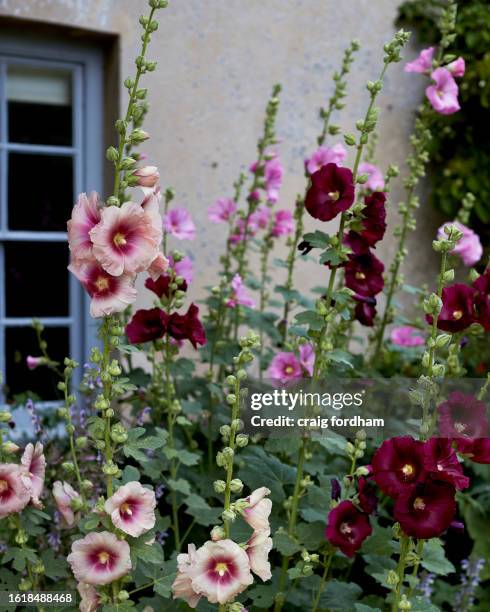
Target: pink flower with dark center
(423, 63)
(239, 295)
(347, 528)
(126, 240)
(90, 599)
(405, 335)
(178, 223)
(457, 67)
(182, 585)
(259, 219)
(109, 293)
(457, 311)
(285, 367)
(14, 495)
(34, 362)
(256, 514)
(482, 299)
(147, 176)
(326, 155)
(132, 509)
(64, 494)
(258, 549)
(469, 249)
(99, 558)
(478, 450)
(283, 223)
(222, 210)
(33, 468)
(273, 172)
(463, 416)
(398, 464)
(85, 216)
(376, 181)
(307, 358)
(443, 96)
(442, 463)
(331, 192)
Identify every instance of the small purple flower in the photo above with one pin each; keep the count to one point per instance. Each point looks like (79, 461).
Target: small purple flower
(160, 489)
(161, 536)
(336, 491)
(426, 585)
(142, 415)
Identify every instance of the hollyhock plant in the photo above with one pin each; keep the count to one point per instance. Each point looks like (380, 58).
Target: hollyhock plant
(99, 558)
(442, 463)
(222, 210)
(259, 219)
(187, 326)
(256, 514)
(482, 299)
(273, 173)
(478, 449)
(182, 585)
(85, 216)
(307, 358)
(258, 548)
(147, 176)
(34, 362)
(407, 336)
(331, 192)
(64, 494)
(283, 223)
(239, 294)
(285, 367)
(443, 96)
(457, 67)
(469, 248)
(90, 599)
(33, 468)
(178, 223)
(398, 464)
(347, 528)
(132, 509)
(462, 415)
(376, 181)
(326, 155)
(183, 268)
(146, 325)
(368, 500)
(373, 218)
(365, 310)
(158, 266)
(161, 285)
(423, 63)
(457, 311)
(14, 495)
(364, 274)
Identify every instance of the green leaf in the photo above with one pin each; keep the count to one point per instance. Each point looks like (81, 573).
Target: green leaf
(312, 535)
(340, 595)
(332, 442)
(54, 567)
(136, 443)
(339, 356)
(317, 239)
(312, 319)
(199, 509)
(285, 544)
(149, 553)
(360, 607)
(434, 558)
(330, 256)
(130, 474)
(264, 470)
(188, 458)
(180, 485)
(263, 595)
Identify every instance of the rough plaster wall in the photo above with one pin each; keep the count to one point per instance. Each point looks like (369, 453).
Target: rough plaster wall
(217, 61)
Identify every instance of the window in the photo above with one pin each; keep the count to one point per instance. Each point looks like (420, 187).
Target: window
(50, 150)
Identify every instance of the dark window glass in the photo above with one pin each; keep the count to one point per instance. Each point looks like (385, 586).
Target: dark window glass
(36, 279)
(21, 342)
(39, 106)
(40, 191)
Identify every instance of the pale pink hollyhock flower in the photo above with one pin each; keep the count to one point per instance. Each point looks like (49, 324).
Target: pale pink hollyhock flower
(147, 176)
(259, 219)
(423, 63)
(284, 367)
(64, 494)
(182, 585)
(90, 599)
(14, 495)
(376, 180)
(34, 362)
(126, 240)
(258, 549)
(326, 155)
(183, 268)
(33, 468)
(158, 266)
(406, 336)
(220, 571)
(109, 293)
(221, 210)
(239, 294)
(273, 172)
(256, 514)
(443, 96)
(469, 248)
(457, 68)
(132, 509)
(283, 223)
(84, 217)
(178, 223)
(99, 558)
(307, 358)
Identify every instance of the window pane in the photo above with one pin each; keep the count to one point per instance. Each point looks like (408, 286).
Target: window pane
(39, 105)
(36, 279)
(21, 342)
(40, 191)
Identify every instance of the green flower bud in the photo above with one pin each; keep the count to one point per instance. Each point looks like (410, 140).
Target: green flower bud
(21, 537)
(68, 467)
(228, 516)
(350, 140)
(392, 578)
(231, 380)
(219, 486)
(112, 154)
(231, 398)
(236, 485)
(10, 448)
(5, 417)
(442, 340)
(123, 595)
(241, 440)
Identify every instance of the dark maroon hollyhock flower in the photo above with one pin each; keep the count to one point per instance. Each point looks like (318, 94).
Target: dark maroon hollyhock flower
(146, 325)
(331, 192)
(457, 308)
(442, 463)
(478, 450)
(398, 464)
(365, 310)
(374, 218)
(364, 274)
(161, 286)
(463, 416)
(336, 491)
(187, 327)
(347, 528)
(368, 500)
(426, 510)
(482, 299)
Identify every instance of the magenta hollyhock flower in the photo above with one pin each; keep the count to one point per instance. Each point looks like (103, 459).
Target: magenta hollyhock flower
(85, 216)
(146, 325)
(99, 558)
(34, 362)
(347, 528)
(307, 358)
(285, 367)
(469, 249)
(187, 326)
(457, 311)
(398, 464)
(283, 223)
(426, 510)
(368, 500)
(423, 63)
(148, 176)
(259, 219)
(326, 155)
(239, 294)
(331, 192)
(257, 513)
(273, 172)
(457, 67)
(132, 509)
(463, 416)
(364, 274)
(33, 469)
(126, 240)
(258, 548)
(64, 494)
(14, 495)
(182, 585)
(442, 463)
(373, 218)
(365, 310)
(183, 268)
(406, 335)
(222, 210)
(109, 293)
(178, 222)
(376, 181)
(90, 599)
(443, 96)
